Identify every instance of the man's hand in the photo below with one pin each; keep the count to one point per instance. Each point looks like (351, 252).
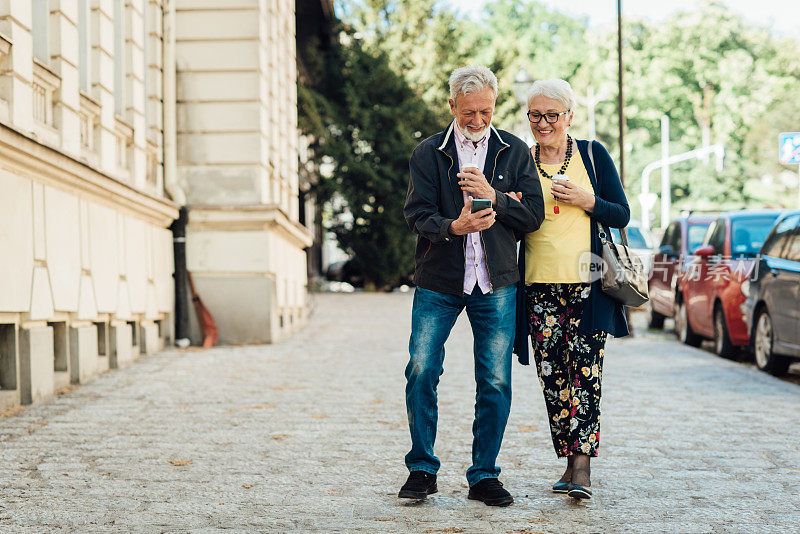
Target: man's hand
(475, 184)
(515, 196)
(468, 222)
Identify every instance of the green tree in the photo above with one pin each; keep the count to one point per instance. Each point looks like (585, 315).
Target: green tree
(364, 120)
(423, 40)
(720, 80)
(515, 35)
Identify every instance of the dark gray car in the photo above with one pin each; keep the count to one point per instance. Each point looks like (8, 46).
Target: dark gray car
(773, 304)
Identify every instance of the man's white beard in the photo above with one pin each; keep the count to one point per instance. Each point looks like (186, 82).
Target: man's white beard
(475, 137)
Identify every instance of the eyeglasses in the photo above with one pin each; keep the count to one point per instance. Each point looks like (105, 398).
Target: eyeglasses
(551, 118)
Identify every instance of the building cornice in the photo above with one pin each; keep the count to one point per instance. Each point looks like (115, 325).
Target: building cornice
(250, 218)
(26, 157)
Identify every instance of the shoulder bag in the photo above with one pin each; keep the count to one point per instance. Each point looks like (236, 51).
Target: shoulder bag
(624, 277)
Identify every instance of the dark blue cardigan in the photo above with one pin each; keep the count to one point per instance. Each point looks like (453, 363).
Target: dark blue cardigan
(611, 209)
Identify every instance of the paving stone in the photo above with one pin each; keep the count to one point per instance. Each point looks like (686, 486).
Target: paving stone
(308, 435)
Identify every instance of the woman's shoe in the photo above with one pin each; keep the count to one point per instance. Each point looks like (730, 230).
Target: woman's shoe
(579, 492)
(562, 487)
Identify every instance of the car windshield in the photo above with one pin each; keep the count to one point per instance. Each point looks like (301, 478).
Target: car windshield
(635, 237)
(748, 234)
(696, 233)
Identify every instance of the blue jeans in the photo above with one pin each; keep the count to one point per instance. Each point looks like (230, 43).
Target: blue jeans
(492, 318)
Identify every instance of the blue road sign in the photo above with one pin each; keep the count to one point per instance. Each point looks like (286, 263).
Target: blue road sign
(789, 148)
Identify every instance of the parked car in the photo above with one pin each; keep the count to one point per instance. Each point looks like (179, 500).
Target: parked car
(345, 271)
(680, 239)
(640, 242)
(772, 309)
(710, 292)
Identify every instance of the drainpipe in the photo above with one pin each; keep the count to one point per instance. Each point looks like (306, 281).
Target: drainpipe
(170, 112)
(171, 185)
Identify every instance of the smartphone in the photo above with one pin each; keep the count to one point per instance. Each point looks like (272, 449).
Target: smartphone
(479, 204)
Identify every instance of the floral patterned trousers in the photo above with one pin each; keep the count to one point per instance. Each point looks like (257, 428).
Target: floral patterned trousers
(569, 363)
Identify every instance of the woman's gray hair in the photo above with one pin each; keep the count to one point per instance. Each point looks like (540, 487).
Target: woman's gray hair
(558, 89)
(471, 79)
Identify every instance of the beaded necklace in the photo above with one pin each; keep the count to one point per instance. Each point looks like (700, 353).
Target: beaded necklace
(563, 166)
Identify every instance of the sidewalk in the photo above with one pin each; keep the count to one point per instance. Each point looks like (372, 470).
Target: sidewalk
(308, 435)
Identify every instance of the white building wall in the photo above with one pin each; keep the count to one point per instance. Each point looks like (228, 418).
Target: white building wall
(237, 158)
(83, 232)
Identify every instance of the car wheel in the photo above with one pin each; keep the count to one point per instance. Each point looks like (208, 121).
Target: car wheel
(766, 360)
(656, 319)
(722, 341)
(684, 330)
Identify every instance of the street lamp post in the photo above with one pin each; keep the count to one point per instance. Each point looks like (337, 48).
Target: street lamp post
(522, 84)
(620, 96)
(590, 101)
(646, 198)
(666, 188)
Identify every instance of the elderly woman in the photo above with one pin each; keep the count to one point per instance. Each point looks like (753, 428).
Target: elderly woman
(565, 312)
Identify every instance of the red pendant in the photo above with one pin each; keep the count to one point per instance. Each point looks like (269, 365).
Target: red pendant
(555, 210)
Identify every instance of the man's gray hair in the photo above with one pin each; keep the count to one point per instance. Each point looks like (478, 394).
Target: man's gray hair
(557, 89)
(471, 79)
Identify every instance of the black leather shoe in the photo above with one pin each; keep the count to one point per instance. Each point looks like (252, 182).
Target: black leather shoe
(491, 492)
(580, 492)
(562, 487)
(418, 485)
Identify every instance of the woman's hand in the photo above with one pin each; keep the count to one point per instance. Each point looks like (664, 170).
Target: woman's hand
(569, 193)
(515, 196)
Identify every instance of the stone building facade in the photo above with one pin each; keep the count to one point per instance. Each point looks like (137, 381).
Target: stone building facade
(238, 163)
(86, 270)
(113, 114)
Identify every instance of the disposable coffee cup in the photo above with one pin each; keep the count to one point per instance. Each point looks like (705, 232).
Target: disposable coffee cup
(561, 177)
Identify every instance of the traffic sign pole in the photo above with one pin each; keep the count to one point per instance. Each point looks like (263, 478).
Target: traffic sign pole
(789, 154)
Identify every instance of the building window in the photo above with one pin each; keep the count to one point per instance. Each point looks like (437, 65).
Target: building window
(119, 56)
(84, 50)
(124, 135)
(45, 84)
(153, 165)
(40, 103)
(146, 63)
(89, 116)
(41, 14)
(5, 92)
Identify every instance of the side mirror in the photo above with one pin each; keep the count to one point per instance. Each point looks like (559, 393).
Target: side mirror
(705, 251)
(666, 250)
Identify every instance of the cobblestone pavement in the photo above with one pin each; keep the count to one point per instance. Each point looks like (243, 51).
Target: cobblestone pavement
(308, 435)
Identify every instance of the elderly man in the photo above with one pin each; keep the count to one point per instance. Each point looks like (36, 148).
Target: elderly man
(466, 259)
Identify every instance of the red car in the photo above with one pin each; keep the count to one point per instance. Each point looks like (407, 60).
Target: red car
(710, 296)
(680, 239)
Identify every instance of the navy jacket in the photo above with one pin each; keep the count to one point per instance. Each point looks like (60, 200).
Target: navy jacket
(435, 200)
(611, 209)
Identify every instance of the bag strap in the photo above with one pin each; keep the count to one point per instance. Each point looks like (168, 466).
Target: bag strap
(604, 231)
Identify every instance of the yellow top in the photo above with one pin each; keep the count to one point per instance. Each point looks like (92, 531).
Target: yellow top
(553, 252)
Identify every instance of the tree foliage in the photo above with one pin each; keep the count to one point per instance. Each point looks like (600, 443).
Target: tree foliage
(719, 78)
(422, 39)
(364, 120)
